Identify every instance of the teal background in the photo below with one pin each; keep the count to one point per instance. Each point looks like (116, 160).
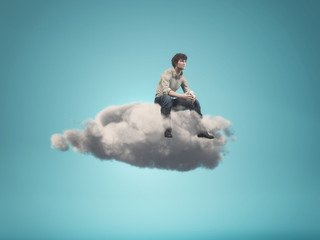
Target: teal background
(255, 63)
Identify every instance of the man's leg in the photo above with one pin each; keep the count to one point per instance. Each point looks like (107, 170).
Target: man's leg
(197, 107)
(181, 104)
(165, 102)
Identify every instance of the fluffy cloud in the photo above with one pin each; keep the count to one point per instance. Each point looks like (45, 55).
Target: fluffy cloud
(133, 133)
(59, 142)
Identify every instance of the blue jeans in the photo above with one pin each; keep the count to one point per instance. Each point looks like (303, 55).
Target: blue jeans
(176, 104)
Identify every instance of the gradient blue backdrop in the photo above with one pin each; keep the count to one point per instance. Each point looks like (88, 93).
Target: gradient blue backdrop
(255, 63)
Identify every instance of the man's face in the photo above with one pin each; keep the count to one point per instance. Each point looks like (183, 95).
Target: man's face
(181, 64)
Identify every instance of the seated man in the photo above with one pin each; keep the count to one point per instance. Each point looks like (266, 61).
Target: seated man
(170, 81)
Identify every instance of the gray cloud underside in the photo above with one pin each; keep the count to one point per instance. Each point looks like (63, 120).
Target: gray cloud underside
(133, 133)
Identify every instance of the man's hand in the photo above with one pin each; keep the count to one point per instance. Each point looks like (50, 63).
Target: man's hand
(188, 97)
(191, 93)
(194, 98)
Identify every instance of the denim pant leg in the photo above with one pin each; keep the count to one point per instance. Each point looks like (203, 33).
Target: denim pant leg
(165, 102)
(181, 104)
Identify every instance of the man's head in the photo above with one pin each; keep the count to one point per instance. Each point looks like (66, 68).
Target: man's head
(178, 57)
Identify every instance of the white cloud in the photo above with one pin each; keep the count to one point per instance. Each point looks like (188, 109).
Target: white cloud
(59, 142)
(133, 133)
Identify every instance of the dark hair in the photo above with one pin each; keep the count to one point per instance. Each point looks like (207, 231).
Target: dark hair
(177, 57)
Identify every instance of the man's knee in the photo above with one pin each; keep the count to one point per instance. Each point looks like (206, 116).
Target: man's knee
(163, 100)
(196, 103)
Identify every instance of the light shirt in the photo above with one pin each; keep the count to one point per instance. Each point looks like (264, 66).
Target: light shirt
(170, 81)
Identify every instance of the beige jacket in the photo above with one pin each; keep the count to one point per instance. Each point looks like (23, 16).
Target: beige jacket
(169, 81)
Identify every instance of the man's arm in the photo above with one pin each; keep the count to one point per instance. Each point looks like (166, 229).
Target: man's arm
(164, 83)
(185, 85)
(186, 90)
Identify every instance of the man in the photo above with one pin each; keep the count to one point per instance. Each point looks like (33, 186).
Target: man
(166, 95)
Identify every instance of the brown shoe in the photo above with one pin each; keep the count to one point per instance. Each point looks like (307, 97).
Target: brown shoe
(205, 135)
(167, 134)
